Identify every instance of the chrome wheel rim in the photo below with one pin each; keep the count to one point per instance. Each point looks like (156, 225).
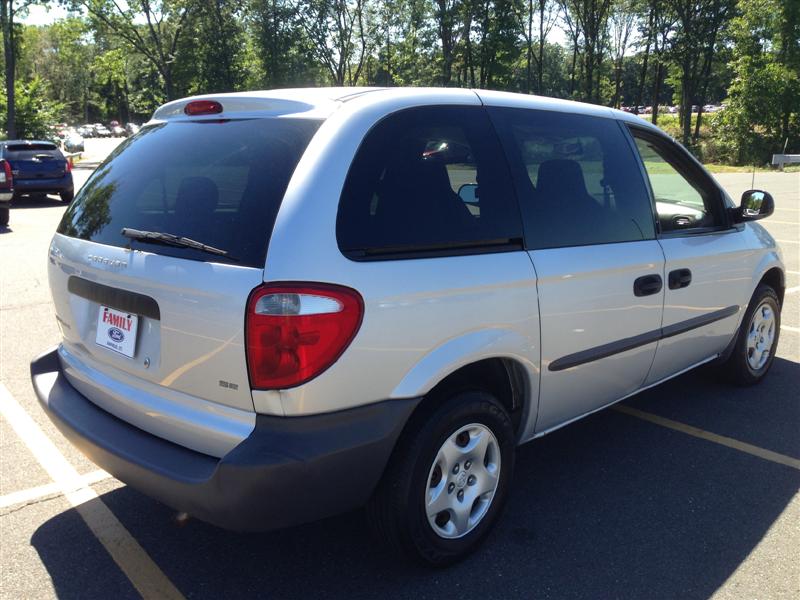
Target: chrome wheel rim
(760, 336)
(462, 481)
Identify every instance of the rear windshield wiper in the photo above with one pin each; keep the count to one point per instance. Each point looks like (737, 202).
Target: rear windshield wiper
(159, 237)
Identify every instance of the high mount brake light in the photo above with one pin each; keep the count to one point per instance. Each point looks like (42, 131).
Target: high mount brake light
(294, 332)
(202, 107)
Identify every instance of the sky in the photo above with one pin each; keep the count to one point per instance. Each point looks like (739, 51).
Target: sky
(40, 15)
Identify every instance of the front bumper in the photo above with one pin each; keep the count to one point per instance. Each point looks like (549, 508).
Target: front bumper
(289, 470)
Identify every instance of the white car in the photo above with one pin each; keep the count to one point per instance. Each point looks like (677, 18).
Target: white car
(372, 296)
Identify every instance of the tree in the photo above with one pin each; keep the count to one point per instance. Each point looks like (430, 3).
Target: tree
(9, 9)
(545, 12)
(341, 34)
(156, 39)
(592, 16)
(447, 22)
(762, 115)
(35, 112)
(698, 23)
(218, 66)
(621, 24)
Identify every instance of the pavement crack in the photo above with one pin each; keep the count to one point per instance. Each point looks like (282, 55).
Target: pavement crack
(28, 503)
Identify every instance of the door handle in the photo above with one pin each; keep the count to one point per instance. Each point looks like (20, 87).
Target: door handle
(679, 278)
(647, 285)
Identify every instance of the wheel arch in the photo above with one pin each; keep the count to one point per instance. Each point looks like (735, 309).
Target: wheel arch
(504, 378)
(776, 279)
(491, 359)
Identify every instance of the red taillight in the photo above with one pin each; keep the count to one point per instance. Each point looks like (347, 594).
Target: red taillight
(6, 178)
(69, 166)
(202, 107)
(296, 331)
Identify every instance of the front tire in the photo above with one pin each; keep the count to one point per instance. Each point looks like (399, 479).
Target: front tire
(757, 339)
(447, 481)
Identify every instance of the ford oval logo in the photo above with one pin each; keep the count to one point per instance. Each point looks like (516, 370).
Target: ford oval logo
(116, 334)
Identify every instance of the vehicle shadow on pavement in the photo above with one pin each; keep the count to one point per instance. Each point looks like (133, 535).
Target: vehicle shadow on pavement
(41, 202)
(611, 507)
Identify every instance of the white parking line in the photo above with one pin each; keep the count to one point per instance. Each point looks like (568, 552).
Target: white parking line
(788, 328)
(792, 290)
(51, 489)
(134, 561)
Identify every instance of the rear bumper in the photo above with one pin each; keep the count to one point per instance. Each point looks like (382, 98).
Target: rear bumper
(26, 186)
(289, 470)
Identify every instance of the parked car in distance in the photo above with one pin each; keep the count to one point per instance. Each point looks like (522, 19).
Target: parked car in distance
(118, 131)
(86, 131)
(321, 320)
(132, 128)
(38, 167)
(101, 130)
(6, 191)
(73, 141)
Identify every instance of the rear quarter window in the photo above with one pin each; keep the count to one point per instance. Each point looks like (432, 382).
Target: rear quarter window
(428, 181)
(219, 183)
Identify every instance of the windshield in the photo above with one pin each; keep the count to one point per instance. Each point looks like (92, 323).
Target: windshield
(217, 182)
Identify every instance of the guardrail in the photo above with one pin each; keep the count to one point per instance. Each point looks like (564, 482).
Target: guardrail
(70, 156)
(778, 160)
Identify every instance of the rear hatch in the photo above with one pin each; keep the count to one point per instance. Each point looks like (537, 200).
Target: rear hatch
(141, 310)
(36, 160)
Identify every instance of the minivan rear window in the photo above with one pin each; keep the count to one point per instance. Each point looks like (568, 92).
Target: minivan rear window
(216, 182)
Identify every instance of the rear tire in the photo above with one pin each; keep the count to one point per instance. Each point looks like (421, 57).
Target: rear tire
(756, 340)
(67, 196)
(457, 456)
(5, 213)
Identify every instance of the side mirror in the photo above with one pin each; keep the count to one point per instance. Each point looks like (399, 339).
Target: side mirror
(755, 205)
(469, 193)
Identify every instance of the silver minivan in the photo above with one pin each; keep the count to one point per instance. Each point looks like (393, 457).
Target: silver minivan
(278, 306)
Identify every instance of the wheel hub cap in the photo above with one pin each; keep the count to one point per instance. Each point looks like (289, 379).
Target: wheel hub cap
(462, 481)
(760, 336)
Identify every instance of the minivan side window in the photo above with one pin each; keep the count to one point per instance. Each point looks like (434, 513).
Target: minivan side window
(684, 199)
(428, 181)
(577, 178)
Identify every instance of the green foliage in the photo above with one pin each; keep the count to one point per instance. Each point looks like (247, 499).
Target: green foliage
(763, 112)
(120, 60)
(36, 112)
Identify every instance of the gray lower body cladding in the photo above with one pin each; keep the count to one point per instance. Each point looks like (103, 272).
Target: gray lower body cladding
(290, 470)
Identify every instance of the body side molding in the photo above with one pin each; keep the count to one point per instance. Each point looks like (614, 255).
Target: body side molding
(616, 347)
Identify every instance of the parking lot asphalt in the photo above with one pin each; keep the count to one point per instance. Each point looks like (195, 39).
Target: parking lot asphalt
(688, 490)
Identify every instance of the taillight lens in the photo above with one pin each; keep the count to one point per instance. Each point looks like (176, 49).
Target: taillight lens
(68, 166)
(6, 179)
(296, 331)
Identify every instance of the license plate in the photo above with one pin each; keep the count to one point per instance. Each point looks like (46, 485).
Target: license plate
(116, 330)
